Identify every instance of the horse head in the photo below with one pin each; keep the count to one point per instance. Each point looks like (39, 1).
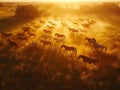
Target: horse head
(80, 56)
(62, 46)
(86, 38)
(75, 50)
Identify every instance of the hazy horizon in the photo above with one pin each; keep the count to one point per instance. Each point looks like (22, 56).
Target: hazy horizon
(59, 0)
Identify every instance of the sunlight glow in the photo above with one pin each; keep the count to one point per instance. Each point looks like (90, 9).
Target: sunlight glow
(58, 0)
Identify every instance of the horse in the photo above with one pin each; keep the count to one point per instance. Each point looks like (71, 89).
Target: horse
(47, 31)
(12, 43)
(46, 42)
(81, 19)
(52, 23)
(91, 22)
(6, 34)
(59, 35)
(26, 29)
(50, 27)
(32, 34)
(20, 34)
(64, 24)
(58, 40)
(41, 21)
(22, 38)
(86, 25)
(98, 46)
(69, 48)
(73, 30)
(75, 22)
(46, 37)
(90, 40)
(88, 59)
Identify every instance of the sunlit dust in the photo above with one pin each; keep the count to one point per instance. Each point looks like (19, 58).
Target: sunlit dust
(70, 45)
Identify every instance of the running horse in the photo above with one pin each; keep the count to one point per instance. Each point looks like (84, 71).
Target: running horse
(88, 59)
(59, 35)
(98, 46)
(47, 31)
(86, 25)
(90, 40)
(46, 42)
(46, 37)
(69, 48)
(6, 34)
(73, 30)
(26, 29)
(58, 40)
(12, 43)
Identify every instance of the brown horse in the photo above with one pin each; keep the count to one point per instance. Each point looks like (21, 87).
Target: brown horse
(12, 43)
(90, 40)
(46, 36)
(73, 30)
(47, 31)
(59, 35)
(32, 34)
(26, 29)
(6, 34)
(59, 40)
(98, 46)
(86, 25)
(46, 42)
(88, 59)
(69, 48)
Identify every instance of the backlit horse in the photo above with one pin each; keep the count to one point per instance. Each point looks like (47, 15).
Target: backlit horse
(50, 27)
(46, 37)
(88, 59)
(98, 46)
(46, 42)
(58, 40)
(6, 34)
(86, 25)
(69, 48)
(26, 29)
(73, 30)
(12, 43)
(32, 34)
(47, 31)
(90, 40)
(59, 35)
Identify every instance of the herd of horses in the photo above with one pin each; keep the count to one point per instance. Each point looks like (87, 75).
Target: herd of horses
(47, 39)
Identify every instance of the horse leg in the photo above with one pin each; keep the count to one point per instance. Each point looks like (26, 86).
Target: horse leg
(105, 49)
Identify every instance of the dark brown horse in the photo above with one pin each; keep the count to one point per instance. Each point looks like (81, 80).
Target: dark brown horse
(73, 30)
(12, 43)
(90, 40)
(69, 48)
(46, 42)
(47, 31)
(86, 25)
(88, 59)
(26, 29)
(6, 34)
(59, 35)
